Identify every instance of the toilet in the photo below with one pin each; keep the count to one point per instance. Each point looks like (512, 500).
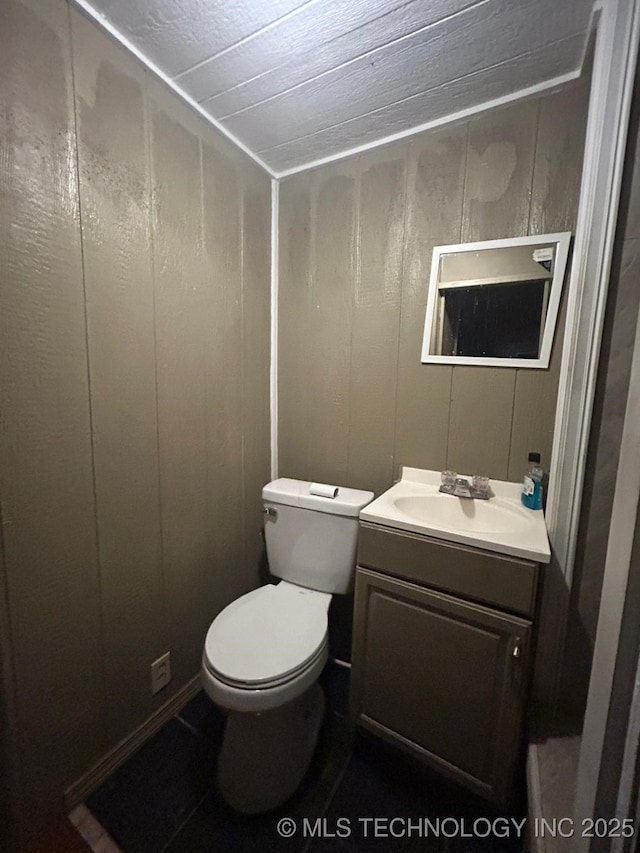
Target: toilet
(264, 652)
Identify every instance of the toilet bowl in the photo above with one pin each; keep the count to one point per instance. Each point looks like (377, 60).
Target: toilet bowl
(266, 648)
(265, 651)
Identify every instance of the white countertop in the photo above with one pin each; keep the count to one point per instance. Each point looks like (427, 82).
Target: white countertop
(511, 528)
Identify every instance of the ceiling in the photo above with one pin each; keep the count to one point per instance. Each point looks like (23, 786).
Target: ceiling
(300, 82)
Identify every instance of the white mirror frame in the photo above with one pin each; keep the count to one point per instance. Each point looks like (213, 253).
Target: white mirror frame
(562, 239)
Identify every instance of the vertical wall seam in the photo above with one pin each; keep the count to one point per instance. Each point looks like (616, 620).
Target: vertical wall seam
(533, 163)
(463, 199)
(446, 451)
(204, 290)
(513, 411)
(314, 192)
(243, 399)
(403, 266)
(101, 638)
(529, 214)
(464, 180)
(356, 267)
(9, 685)
(275, 288)
(9, 681)
(152, 247)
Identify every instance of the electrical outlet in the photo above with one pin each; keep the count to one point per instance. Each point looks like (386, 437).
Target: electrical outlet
(160, 673)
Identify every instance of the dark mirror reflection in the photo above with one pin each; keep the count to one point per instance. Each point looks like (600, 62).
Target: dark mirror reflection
(497, 321)
(493, 302)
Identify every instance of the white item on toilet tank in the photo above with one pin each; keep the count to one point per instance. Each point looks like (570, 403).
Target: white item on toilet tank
(311, 540)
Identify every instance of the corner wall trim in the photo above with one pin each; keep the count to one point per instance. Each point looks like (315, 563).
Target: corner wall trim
(616, 48)
(101, 21)
(534, 798)
(613, 69)
(618, 565)
(450, 118)
(96, 775)
(275, 268)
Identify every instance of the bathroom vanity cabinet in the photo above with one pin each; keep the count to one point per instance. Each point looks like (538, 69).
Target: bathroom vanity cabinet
(442, 648)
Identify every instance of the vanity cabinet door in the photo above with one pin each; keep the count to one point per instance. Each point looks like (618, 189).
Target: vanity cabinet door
(441, 677)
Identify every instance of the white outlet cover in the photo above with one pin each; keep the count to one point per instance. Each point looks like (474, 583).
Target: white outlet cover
(160, 673)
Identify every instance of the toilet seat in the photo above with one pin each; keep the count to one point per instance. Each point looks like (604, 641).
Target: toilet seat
(277, 681)
(268, 637)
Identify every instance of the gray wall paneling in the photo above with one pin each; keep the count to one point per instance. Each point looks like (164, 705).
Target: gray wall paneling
(504, 173)
(134, 259)
(46, 468)
(118, 273)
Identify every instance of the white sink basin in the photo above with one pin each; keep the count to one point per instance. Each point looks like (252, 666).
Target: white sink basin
(473, 516)
(500, 524)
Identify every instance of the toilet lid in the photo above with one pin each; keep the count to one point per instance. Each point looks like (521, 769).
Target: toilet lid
(267, 634)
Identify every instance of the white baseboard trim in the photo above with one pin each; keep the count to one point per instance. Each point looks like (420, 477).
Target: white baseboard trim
(535, 842)
(94, 834)
(96, 775)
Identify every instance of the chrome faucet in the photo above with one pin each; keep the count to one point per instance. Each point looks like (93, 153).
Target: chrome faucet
(460, 487)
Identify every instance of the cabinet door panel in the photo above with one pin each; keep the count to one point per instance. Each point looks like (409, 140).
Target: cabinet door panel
(439, 674)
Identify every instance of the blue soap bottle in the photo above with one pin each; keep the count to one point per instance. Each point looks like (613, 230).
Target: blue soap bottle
(532, 485)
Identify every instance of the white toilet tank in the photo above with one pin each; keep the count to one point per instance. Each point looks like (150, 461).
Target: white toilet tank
(311, 540)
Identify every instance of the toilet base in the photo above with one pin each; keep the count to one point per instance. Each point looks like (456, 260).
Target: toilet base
(264, 756)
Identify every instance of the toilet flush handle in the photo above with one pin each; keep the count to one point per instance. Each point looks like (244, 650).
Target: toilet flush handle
(271, 512)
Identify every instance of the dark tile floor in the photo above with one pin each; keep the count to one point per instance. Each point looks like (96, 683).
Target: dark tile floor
(164, 797)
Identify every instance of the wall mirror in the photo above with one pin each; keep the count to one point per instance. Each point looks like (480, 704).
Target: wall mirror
(495, 303)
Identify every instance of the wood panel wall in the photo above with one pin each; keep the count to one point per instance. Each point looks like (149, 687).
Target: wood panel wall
(355, 252)
(134, 381)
